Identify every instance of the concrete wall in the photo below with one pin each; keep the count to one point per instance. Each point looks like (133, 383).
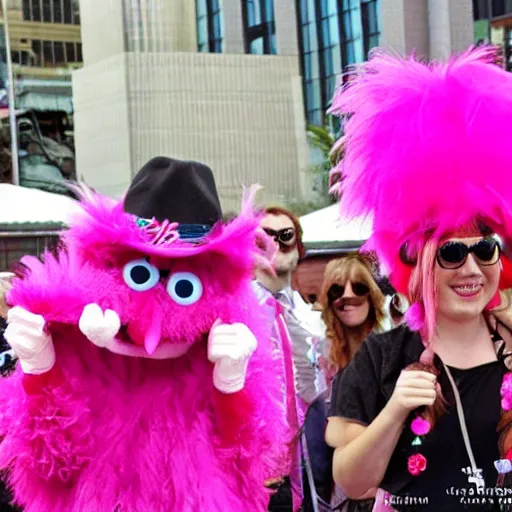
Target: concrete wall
(102, 133)
(102, 29)
(285, 13)
(432, 29)
(240, 114)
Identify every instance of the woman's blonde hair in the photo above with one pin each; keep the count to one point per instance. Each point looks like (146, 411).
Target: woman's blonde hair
(355, 268)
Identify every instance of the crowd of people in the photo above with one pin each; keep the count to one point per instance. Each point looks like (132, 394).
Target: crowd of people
(161, 359)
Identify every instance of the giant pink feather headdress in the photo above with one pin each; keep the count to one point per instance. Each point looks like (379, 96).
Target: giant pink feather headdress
(426, 150)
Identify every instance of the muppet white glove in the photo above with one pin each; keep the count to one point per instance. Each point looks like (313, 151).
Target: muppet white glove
(230, 347)
(26, 336)
(97, 326)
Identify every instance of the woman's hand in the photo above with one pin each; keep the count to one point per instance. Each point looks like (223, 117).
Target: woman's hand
(413, 389)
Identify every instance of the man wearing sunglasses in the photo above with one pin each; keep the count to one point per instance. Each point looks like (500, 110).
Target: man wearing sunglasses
(304, 328)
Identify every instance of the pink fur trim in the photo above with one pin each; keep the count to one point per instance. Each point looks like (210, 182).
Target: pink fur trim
(424, 147)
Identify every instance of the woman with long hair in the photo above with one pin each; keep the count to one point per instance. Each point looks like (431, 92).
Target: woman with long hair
(420, 409)
(352, 307)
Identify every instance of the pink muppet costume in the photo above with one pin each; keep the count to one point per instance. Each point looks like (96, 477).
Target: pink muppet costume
(135, 423)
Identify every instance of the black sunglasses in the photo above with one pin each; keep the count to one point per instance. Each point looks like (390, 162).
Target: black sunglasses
(284, 237)
(336, 291)
(453, 255)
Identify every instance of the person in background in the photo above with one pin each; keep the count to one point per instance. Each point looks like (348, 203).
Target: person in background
(352, 308)
(298, 332)
(304, 325)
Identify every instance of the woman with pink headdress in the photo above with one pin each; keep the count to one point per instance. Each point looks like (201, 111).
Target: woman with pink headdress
(418, 409)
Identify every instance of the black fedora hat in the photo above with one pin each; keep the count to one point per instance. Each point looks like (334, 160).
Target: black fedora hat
(176, 191)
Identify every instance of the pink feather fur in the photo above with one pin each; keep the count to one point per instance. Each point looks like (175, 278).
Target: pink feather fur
(425, 149)
(127, 434)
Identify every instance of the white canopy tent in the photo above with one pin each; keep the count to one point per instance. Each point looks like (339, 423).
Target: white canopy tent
(326, 226)
(20, 205)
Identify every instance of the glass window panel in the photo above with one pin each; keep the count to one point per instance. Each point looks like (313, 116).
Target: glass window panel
(306, 47)
(315, 65)
(355, 20)
(336, 59)
(47, 12)
(38, 51)
(48, 54)
(373, 19)
(57, 11)
(202, 30)
(36, 11)
(359, 52)
(217, 46)
(79, 57)
(216, 26)
(311, 11)
(76, 12)
(350, 55)
(307, 65)
(257, 46)
(334, 30)
(326, 40)
(269, 10)
(273, 45)
(257, 12)
(60, 57)
(313, 39)
(70, 52)
(332, 8)
(328, 65)
(347, 27)
(68, 11)
(303, 11)
(201, 8)
(26, 10)
(330, 86)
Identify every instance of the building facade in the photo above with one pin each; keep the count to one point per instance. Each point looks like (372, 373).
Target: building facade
(233, 82)
(178, 81)
(45, 49)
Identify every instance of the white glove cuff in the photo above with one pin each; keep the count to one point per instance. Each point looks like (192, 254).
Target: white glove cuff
(41, 361)
(229, 376)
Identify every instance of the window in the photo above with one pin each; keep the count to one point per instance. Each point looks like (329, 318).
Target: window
(57, 11)
(334, 34)
(48, 57)
(51, 11)
(259, 26)
(371, 22)
(70, 52)
(60, 56)
(209, 26)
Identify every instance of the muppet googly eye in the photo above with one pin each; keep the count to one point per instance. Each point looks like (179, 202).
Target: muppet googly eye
(184, 288)
(140, 275)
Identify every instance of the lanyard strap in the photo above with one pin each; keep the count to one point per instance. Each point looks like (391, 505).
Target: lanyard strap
(462, 420)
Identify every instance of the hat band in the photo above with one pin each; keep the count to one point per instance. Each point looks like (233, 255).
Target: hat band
(193, 232)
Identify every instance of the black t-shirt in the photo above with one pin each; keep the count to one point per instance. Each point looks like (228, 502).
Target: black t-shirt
(367, 384)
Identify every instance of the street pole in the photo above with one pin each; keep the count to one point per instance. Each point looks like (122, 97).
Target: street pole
(489, 19)
(12, 106)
